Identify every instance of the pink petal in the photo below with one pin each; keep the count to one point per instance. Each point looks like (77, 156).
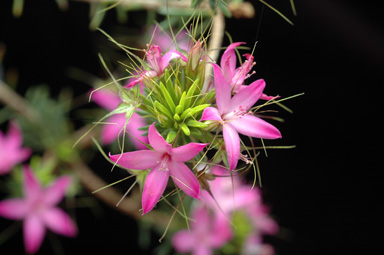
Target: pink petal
(34, 232)
(154, 187)
(59, 222)
(183, 241)
(252, 126)
(139, 160)
(56, 191)
(169, 56)
(222, 228)
(14, 209)
(184, 178)
(232, 145)
(136, 122)
(31, 185)
(110, 131)
(248, 96)
(154, 58)
(228, 60)
(187, 152)
(106, 98)
(157, 141)
(222, 89)
(14, 135)
(211, 113)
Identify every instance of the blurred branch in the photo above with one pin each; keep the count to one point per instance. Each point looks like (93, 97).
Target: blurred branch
(17, 103)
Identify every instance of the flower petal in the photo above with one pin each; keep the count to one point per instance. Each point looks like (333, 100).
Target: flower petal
(106, 98)
(31, 185)
(157, 141)
(136, 122)
(250, 125)
(56, 191)
(228, 60)
(34, 232)
(59, 222)
(187, 152)
(232, 145)
(248, 96)
(110, 132)
(211, 113)
(222, 89)
(14, 209)
(154, 187)
(184, 178)
(183, 241)
(172, 54)
(139, 160)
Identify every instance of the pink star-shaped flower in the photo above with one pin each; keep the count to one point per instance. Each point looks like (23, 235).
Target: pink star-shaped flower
(11, 152)
(233, 115)
(164, 162)
(38, 210)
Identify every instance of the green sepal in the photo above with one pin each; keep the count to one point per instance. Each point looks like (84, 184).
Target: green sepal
(191, 93)
(161, 108)
(185, 129)
(167, 97)
(195, 123)
(171, 136)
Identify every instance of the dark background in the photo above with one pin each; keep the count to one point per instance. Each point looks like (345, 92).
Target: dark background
(326, 193)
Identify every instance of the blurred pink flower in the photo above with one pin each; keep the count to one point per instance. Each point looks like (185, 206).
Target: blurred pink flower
(164, 162)
(235, 76)
(38, 210)
(157, 62)
(109, 100)
(206, 234)
(234, 115)
(11, 152)
(165, 41)
(233, 195)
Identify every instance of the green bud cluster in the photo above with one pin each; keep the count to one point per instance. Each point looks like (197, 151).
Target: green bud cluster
(176, 101)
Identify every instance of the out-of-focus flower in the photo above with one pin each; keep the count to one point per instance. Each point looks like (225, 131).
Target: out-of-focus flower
(38, 210)
(109, 100)
(206, 234)
(234, 115)
(235, 76)
(165, 41)
(230, 195)
(228, 200)
(157, 62)
(164, 162)
(11, 152)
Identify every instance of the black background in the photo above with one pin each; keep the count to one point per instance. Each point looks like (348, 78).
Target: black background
(326, 193)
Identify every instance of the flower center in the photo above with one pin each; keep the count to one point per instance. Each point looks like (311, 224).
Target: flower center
(238, 113)
(164, 162)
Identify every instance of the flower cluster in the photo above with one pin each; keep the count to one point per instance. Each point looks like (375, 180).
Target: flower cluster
(184, 118)
(179, 121)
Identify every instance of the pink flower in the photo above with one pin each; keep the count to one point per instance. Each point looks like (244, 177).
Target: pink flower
(206, 234)
(11, 152)
(165, 41)
(38, 210)
(157, 62)
(110, 132)
(233, 195)
(164, 161)
(234, 115)
(235, 76)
